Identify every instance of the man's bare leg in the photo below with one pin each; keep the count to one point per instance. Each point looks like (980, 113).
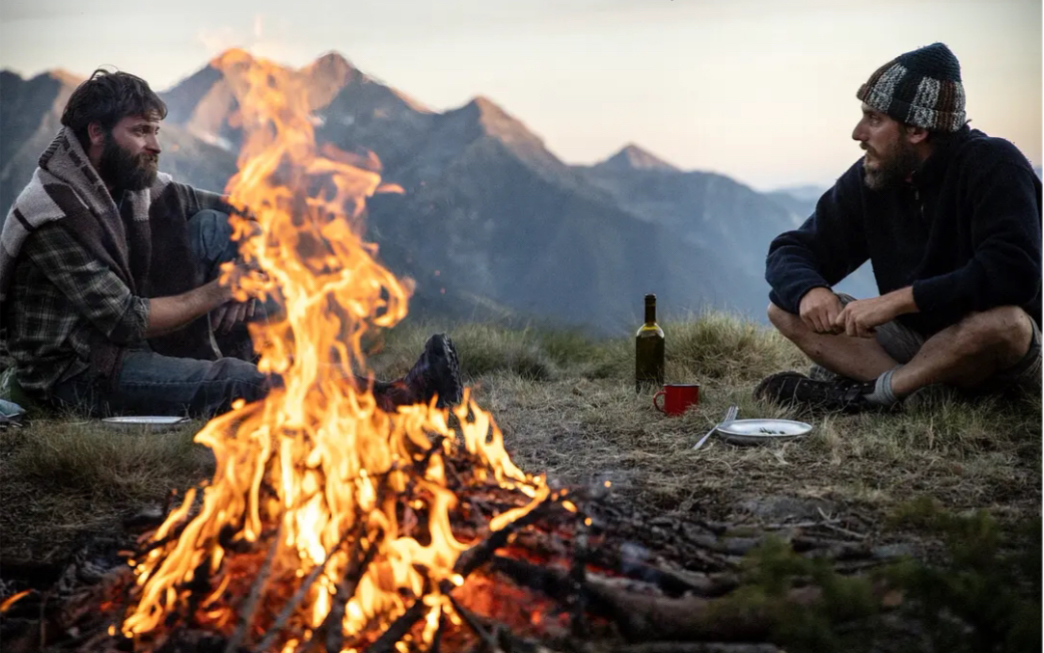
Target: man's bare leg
(969, 352)
(862, 359)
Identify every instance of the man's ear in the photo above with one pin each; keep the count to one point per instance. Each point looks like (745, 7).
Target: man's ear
(96, 133)
(915, 135)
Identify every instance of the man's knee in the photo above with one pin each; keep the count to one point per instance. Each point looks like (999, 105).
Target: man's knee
(242, 379)
(210, 222)
(225, 381)
(1005, 331)
(786, 322)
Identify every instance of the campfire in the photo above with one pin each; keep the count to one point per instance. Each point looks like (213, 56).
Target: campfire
(325, 516)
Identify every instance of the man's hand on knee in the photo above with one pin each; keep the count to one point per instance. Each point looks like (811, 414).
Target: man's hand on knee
(819, 309)
(862, 317)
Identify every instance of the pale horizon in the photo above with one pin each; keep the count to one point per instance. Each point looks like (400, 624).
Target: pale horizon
(763, 92)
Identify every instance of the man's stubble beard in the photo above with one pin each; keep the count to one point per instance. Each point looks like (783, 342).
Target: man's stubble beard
(126, 171)
(893, 169)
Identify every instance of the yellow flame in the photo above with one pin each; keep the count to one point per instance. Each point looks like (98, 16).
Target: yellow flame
(317, 460)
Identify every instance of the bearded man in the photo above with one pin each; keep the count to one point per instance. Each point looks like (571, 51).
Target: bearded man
(109, 290)
(950, 219)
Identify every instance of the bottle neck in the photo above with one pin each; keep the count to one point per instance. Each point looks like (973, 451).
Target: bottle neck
(650, 312)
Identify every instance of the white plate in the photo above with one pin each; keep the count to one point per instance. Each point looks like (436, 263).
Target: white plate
(763, 431)
(145, 422)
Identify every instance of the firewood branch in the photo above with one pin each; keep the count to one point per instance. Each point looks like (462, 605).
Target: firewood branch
(386, 642)
(256, 589)
(648, 617)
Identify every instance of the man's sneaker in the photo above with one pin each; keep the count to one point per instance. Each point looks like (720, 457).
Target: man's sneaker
(436, 372)
(797, 390)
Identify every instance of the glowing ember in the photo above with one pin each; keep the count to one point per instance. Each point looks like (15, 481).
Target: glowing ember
(315, 480)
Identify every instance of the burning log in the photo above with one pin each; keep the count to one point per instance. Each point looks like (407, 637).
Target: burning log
(247, 617)
(398, 629)
(346, 590)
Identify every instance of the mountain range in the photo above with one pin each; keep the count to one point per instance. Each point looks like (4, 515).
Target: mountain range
(492, 225)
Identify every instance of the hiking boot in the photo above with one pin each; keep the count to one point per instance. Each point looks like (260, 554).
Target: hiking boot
(820, 373)
(797, 390)
(436, 373)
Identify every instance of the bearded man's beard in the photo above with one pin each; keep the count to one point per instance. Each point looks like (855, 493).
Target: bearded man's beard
(893, 168)
(126, 171)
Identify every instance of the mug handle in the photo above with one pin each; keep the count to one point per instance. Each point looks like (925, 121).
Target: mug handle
(661, 393)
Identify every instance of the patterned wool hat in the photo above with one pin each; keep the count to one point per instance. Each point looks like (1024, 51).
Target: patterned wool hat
(921, 88)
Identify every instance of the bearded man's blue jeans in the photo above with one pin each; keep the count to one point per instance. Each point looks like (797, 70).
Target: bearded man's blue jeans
(151, 384)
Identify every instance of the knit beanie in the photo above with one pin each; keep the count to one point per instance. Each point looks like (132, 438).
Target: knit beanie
(921, 88)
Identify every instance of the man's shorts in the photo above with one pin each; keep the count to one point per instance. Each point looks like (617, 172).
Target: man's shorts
(902, 343)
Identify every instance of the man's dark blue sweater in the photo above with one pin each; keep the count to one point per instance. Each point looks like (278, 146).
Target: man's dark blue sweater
(965, 233)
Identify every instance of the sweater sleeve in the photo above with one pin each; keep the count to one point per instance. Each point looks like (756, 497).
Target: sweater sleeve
(829, 246)
(195, 200)
(1006, 232)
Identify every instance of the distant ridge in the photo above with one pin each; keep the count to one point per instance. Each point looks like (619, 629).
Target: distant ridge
(804, 192)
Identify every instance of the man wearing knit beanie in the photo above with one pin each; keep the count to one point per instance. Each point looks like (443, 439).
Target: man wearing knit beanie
(950, 219)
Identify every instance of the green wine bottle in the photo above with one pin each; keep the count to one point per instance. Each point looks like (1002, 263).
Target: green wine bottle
(649, 349)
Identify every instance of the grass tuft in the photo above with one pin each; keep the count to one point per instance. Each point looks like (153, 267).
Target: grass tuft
(106, 464)
(718, 346)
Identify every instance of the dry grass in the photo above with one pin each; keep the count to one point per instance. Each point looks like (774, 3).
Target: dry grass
(567, 406)
(63, 479)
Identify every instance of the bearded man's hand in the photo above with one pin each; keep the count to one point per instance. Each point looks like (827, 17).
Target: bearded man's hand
(224, 317)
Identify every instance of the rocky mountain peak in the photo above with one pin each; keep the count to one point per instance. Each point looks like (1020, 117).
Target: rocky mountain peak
(498, 123)
(231, 57)
(331, 67)
(632, 157)
(65, 77)
(332, 59)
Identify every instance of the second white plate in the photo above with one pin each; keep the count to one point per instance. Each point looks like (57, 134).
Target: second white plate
(145, 422)
(763, 431)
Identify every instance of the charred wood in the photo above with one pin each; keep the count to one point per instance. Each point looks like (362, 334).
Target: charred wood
(489, 642)
(398, 629)
(649, 617)
(670, 582)
(254, 598)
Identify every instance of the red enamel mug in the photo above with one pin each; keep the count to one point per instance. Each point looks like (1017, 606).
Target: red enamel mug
(677, 397)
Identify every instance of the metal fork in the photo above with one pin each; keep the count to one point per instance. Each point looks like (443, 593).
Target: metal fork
(729, 417)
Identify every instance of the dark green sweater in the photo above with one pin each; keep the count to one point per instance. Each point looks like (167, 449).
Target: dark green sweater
(965, 233)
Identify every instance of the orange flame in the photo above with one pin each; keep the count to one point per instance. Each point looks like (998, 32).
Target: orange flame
(316, 462)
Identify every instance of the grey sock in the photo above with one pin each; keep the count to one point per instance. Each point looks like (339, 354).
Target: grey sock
(882, 394)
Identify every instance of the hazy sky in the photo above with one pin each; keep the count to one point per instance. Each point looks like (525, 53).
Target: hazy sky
(761, 90)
